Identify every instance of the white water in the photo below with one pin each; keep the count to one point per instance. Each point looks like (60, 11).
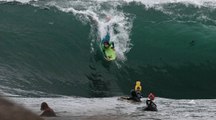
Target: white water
(168, 109)
(149, 3)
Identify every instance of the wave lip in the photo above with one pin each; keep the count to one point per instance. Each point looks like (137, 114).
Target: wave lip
(22, 1)
(149, 3)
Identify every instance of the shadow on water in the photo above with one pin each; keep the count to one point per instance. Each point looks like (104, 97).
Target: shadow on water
(98, 84)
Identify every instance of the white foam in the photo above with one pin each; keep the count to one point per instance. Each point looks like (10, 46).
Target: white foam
(152, 3)
(192, 102)
(22, 1)
(145, 2)
(168, 109)
(75, 106)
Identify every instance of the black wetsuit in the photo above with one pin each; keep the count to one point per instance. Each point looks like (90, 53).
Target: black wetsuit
(151, 106)
(135, 96)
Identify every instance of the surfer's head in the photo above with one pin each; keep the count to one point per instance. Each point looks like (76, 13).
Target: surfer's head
(151, 96)
(44, 106)
(138, 89)
(106, 44)
(138, 86)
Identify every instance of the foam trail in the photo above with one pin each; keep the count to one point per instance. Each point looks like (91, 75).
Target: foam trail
(153, 3)
(97, 13)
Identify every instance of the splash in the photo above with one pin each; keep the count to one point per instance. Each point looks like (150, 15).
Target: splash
(100, 15)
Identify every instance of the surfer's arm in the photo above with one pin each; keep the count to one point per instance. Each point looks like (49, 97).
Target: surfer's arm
(104, 52)
(112, 45)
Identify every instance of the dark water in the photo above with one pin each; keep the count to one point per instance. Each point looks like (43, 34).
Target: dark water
(45, 51)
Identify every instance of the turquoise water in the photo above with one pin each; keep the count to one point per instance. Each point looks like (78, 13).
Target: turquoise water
(47, 48)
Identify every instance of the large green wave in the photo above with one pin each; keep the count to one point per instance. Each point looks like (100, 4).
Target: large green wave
(47, 50)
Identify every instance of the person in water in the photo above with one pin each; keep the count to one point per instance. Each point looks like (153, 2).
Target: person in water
(106, 40)
(150, 105)
(135, 93)
(47, 111)
(107, 44)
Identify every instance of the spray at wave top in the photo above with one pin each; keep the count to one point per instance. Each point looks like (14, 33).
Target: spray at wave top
(100, 15)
